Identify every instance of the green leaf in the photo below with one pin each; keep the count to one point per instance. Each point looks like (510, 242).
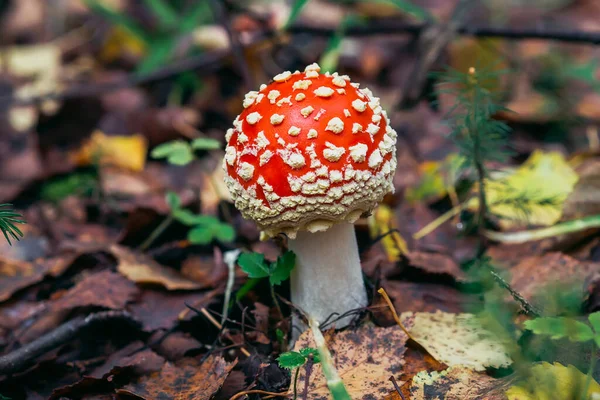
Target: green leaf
(291, 360)
(205, 144)
(188, 218)
(311, 351)
(560, 327)
(224, 232)
(594, 319)
(254, 265)
(200, 235)
(118, 18)
(176, 152)
(281, 269)
(173, 200)
(166, 15)
(295, 12)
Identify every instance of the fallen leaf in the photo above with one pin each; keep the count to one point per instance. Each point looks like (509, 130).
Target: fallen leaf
(365, 358)
(533, 194)
(436, 263)
(142, 269)
(583, 201)
(533, 275)
(547, 381)
(104, 289)
(127, 152)
(457, 339)
(157, 309)
(135, 358)
(455, 383)
(428, 297)
(175, 345)
(16, 275)
(184, 381)
(383, 222)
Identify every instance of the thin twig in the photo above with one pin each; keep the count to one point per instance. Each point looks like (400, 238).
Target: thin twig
(247, 392)
(382, 292)
(156, 233)
(308, 368)
(395, 27)
(393, 380)
(23, 356)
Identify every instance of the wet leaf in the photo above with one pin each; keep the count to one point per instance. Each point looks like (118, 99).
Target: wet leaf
(183, 381)
(365, 359)
(143, 269)
(547, 381)
(457, 339)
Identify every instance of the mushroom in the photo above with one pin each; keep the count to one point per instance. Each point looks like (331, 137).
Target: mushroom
(307, 157)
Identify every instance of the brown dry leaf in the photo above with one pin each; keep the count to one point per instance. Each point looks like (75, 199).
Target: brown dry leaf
(184, 381)
(128, 152)
(583, 200)
(534, 275)
(16, 275)
(437, 263)
(143, 269)
(455, 383)
(157, 309)
(104, 289)
(428, 297)
(365, 359)
(134, 358)
(457, 339)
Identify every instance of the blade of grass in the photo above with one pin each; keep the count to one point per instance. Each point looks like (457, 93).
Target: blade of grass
(163, 11)
(119, 19)
(295, 12)
(200, 14)
(407, 7)
(563, 228)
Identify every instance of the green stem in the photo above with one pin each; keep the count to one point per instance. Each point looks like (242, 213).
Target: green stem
(563, 228)
(334, 382)
(156, 233)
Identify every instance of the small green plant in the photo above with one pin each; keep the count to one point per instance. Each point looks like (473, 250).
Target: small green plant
(297, 359)
(256, 267)
(574, 330)
(8, 220)
(180, 152)
(203, 228)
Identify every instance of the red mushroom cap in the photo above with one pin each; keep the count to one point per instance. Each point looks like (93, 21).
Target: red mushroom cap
(309, 150)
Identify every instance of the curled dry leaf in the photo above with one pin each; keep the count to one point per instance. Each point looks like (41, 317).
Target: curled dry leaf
(457, 339)
(143, 269)
(365, 359)
(16, 275)
(455, 383)
(184, 381)
(437, 263)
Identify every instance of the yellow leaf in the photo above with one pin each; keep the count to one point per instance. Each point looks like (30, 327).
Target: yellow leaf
(381, 222)
(457, 339)
(437, 179)
(533, 194)
(120, 43)
(553, 381)
(128, 152)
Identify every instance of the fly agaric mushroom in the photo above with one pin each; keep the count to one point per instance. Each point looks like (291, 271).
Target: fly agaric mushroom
(307, 157)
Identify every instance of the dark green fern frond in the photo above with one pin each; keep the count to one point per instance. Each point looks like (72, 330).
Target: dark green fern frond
(8, 219)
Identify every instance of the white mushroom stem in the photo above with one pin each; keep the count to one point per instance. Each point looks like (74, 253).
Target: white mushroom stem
(327, 278)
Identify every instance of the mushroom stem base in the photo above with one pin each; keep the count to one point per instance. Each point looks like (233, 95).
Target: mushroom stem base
(328, 277)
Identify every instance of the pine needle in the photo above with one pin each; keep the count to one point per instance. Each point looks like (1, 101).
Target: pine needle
(8, 220)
